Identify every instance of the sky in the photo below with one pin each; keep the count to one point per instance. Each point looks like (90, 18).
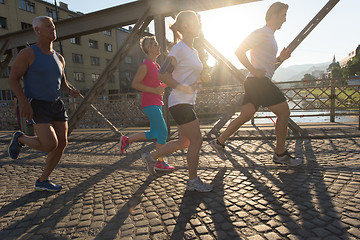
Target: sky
(225, 28)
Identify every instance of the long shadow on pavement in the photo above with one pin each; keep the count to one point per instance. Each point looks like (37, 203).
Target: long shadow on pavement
(214, 202)
(43, 217)
(296, 183)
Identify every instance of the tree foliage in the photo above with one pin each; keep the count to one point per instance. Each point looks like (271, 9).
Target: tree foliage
(352, 67)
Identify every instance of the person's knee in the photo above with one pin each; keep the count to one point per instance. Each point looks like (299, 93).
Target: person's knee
(284, 114)
(184, 144)
(50, 145)
(196, 141)
(62, 144)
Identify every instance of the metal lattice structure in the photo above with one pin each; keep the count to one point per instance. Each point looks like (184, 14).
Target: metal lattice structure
(142, 13)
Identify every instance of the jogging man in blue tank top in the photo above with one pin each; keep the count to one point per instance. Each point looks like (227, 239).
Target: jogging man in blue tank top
(43, 71)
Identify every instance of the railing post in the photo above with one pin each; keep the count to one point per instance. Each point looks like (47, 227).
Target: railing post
(332, 100)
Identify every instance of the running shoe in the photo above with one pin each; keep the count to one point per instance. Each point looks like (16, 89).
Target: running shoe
(163, 166)
(198, 185)
(124, 141)
(150, 162)
(287, 159)
(47, 185)
(219, 149)
(15, 146)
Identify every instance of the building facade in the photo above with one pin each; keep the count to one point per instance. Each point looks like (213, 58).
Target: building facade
(352, 54)
(86, 56)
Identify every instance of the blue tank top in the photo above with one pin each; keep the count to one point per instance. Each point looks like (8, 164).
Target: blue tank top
(42, 79)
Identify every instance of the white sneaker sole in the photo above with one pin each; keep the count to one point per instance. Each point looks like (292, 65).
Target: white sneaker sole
(221, 155)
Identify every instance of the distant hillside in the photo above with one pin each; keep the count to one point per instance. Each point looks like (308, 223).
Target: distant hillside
(297, 72)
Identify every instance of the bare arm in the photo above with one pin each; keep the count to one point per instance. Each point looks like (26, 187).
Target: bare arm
(64, 83)
(284, 54)
(167, 78)
(241, 55)
(139, 77)
(19, 68)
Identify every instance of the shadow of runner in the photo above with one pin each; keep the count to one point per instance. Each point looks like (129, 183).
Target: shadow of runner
(220, 223)
(318, 218)
(26, 199)
(54, 210)
(111, 229)
(297, 186)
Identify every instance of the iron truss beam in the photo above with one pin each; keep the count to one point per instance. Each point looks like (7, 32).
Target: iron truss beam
(121, 15)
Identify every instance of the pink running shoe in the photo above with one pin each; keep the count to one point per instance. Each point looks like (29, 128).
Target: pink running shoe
(124, 140)
(163, 166)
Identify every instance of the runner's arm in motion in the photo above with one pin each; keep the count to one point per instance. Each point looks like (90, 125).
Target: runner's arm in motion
(22, 62)
(65, 87)
(241, 55)
(165, 75)
(139, 76)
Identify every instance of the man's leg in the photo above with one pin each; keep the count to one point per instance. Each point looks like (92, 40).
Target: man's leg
(61, 129)
(282, 112)
(45, 139)
(247, 112)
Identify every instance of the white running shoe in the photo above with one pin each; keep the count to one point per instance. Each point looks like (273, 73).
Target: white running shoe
(219, 149)
(150, 162)
(198, 185)
(287, 159)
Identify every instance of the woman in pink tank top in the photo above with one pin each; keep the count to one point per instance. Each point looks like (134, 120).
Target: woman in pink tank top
(147, 81)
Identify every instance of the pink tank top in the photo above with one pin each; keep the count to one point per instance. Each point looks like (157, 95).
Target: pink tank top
(151, 79)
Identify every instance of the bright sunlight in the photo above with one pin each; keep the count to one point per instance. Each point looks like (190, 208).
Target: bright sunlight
(225, 28)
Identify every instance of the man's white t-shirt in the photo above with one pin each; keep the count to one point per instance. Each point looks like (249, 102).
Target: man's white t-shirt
(186, 72)
(263, 50)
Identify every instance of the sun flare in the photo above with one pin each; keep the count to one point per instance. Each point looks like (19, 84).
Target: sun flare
(226, 28)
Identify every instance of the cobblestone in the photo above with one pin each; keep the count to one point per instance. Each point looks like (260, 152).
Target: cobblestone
(110, 196)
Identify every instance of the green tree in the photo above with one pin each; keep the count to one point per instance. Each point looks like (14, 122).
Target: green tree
(352, 67)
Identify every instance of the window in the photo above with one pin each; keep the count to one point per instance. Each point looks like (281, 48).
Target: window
(95, 77)
(108, 47)
(107, 32)
(6, 73)
(25, 25)
(3, 22)
(128, 59)
(77, 58)
(51, 13)
(107, 61)
(79, 76)
(27, 5)
(95, 61)
(128, 76)
(75, 40)
(93, 43)
(2, 1)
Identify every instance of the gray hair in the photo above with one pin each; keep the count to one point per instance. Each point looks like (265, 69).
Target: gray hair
(37, 21)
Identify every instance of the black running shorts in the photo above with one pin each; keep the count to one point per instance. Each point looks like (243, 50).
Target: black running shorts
(47, 112)
(183, 113)
(262, 92)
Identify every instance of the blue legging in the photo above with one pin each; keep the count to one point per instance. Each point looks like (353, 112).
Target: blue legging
(158, 129)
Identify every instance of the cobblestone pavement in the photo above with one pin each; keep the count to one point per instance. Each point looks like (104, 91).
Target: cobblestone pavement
(110, 196)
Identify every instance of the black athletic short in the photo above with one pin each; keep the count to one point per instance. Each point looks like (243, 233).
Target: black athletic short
(183, 113)
(262, 92)
(47, 112)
